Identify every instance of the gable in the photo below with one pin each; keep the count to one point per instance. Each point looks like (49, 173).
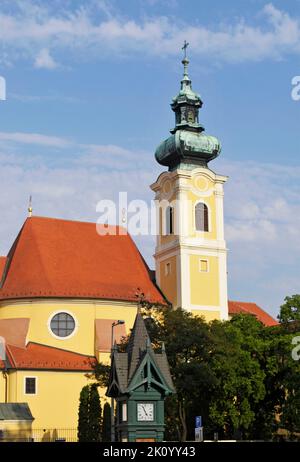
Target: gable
(118, 374)
(149, 376)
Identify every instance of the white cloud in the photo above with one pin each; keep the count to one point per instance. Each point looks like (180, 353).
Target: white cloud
(35, 138)
(262, 205)
(52, 97)
(262, 222)
(84, 32)
(44, 60)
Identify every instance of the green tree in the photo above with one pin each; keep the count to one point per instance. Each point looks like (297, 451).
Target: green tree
(83, 415)
(290, 418)
(289, 329)
(218, 372)
(239, 378)
(101, 374)
(290, 310)
(239, 375)
(89, 414)
(188, 344)
(94, 415)
(106, 423)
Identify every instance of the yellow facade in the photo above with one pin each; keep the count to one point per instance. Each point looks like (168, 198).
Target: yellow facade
(16, 430)
(207, 315)
(190, 270)
(84, 312)
(168, 267)
(204, 284)
(192, 288)
(55, 404)
(2, 387)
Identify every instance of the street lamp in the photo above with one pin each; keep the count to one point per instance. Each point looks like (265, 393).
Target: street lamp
(112, 405)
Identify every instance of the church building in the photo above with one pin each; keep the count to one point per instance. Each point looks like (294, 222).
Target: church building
(62, 285)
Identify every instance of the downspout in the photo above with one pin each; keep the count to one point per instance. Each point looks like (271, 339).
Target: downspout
(5, 376)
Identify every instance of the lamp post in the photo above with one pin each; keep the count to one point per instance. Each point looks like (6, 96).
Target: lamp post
(112, 405)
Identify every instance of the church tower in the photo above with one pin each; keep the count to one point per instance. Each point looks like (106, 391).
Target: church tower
(190, 253)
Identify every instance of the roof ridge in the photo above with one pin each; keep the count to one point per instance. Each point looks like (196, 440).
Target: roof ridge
(10, 356)
(240, 301)
(68, 220)
(137, 344)
(10, 256)
(60, 349)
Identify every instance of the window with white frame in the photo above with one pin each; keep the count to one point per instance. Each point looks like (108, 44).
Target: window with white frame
(201, 217)
(203, 265)
(167, 269)
(62, 324)
(169, 220)
(30, 386)
(124, 412)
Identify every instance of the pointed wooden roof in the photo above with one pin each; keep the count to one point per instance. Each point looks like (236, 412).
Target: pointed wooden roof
(137, 344)
(126, 366)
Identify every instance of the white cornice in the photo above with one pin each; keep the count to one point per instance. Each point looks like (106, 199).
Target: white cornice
(66, 301)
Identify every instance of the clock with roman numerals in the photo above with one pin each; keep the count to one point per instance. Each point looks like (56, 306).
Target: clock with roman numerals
(145, 412)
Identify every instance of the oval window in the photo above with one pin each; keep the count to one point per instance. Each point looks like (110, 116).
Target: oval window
(62, 325)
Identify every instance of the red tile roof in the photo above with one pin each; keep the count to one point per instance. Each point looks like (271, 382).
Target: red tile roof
(37, 356)
(2, 264)
(251, 308)
(61, 258)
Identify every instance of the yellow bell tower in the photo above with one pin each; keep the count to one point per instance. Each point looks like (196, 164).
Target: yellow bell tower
(191, 253)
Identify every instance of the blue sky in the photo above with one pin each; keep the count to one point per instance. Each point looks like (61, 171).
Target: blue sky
(89, 86)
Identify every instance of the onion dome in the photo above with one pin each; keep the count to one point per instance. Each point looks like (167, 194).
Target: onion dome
(188, 146)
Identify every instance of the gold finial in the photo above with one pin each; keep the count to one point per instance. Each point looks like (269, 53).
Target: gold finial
(30, 207)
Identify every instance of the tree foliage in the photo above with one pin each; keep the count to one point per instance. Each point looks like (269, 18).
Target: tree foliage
(83, 415)
(89, 414)
(290, 310)
(238, 375)
(106, 423)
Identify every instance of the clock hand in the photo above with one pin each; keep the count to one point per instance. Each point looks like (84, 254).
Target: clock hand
(145, 410)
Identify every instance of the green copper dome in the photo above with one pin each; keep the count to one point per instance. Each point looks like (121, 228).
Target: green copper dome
(188, 146)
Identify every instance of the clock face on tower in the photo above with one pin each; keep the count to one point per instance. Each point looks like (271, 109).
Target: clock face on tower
(145, 412)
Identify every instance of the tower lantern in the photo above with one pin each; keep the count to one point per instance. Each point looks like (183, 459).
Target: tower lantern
(191, 251)
(188, 145)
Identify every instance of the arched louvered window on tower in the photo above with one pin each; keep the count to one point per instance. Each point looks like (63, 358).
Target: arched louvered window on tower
(201, 217)
(169, 220)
